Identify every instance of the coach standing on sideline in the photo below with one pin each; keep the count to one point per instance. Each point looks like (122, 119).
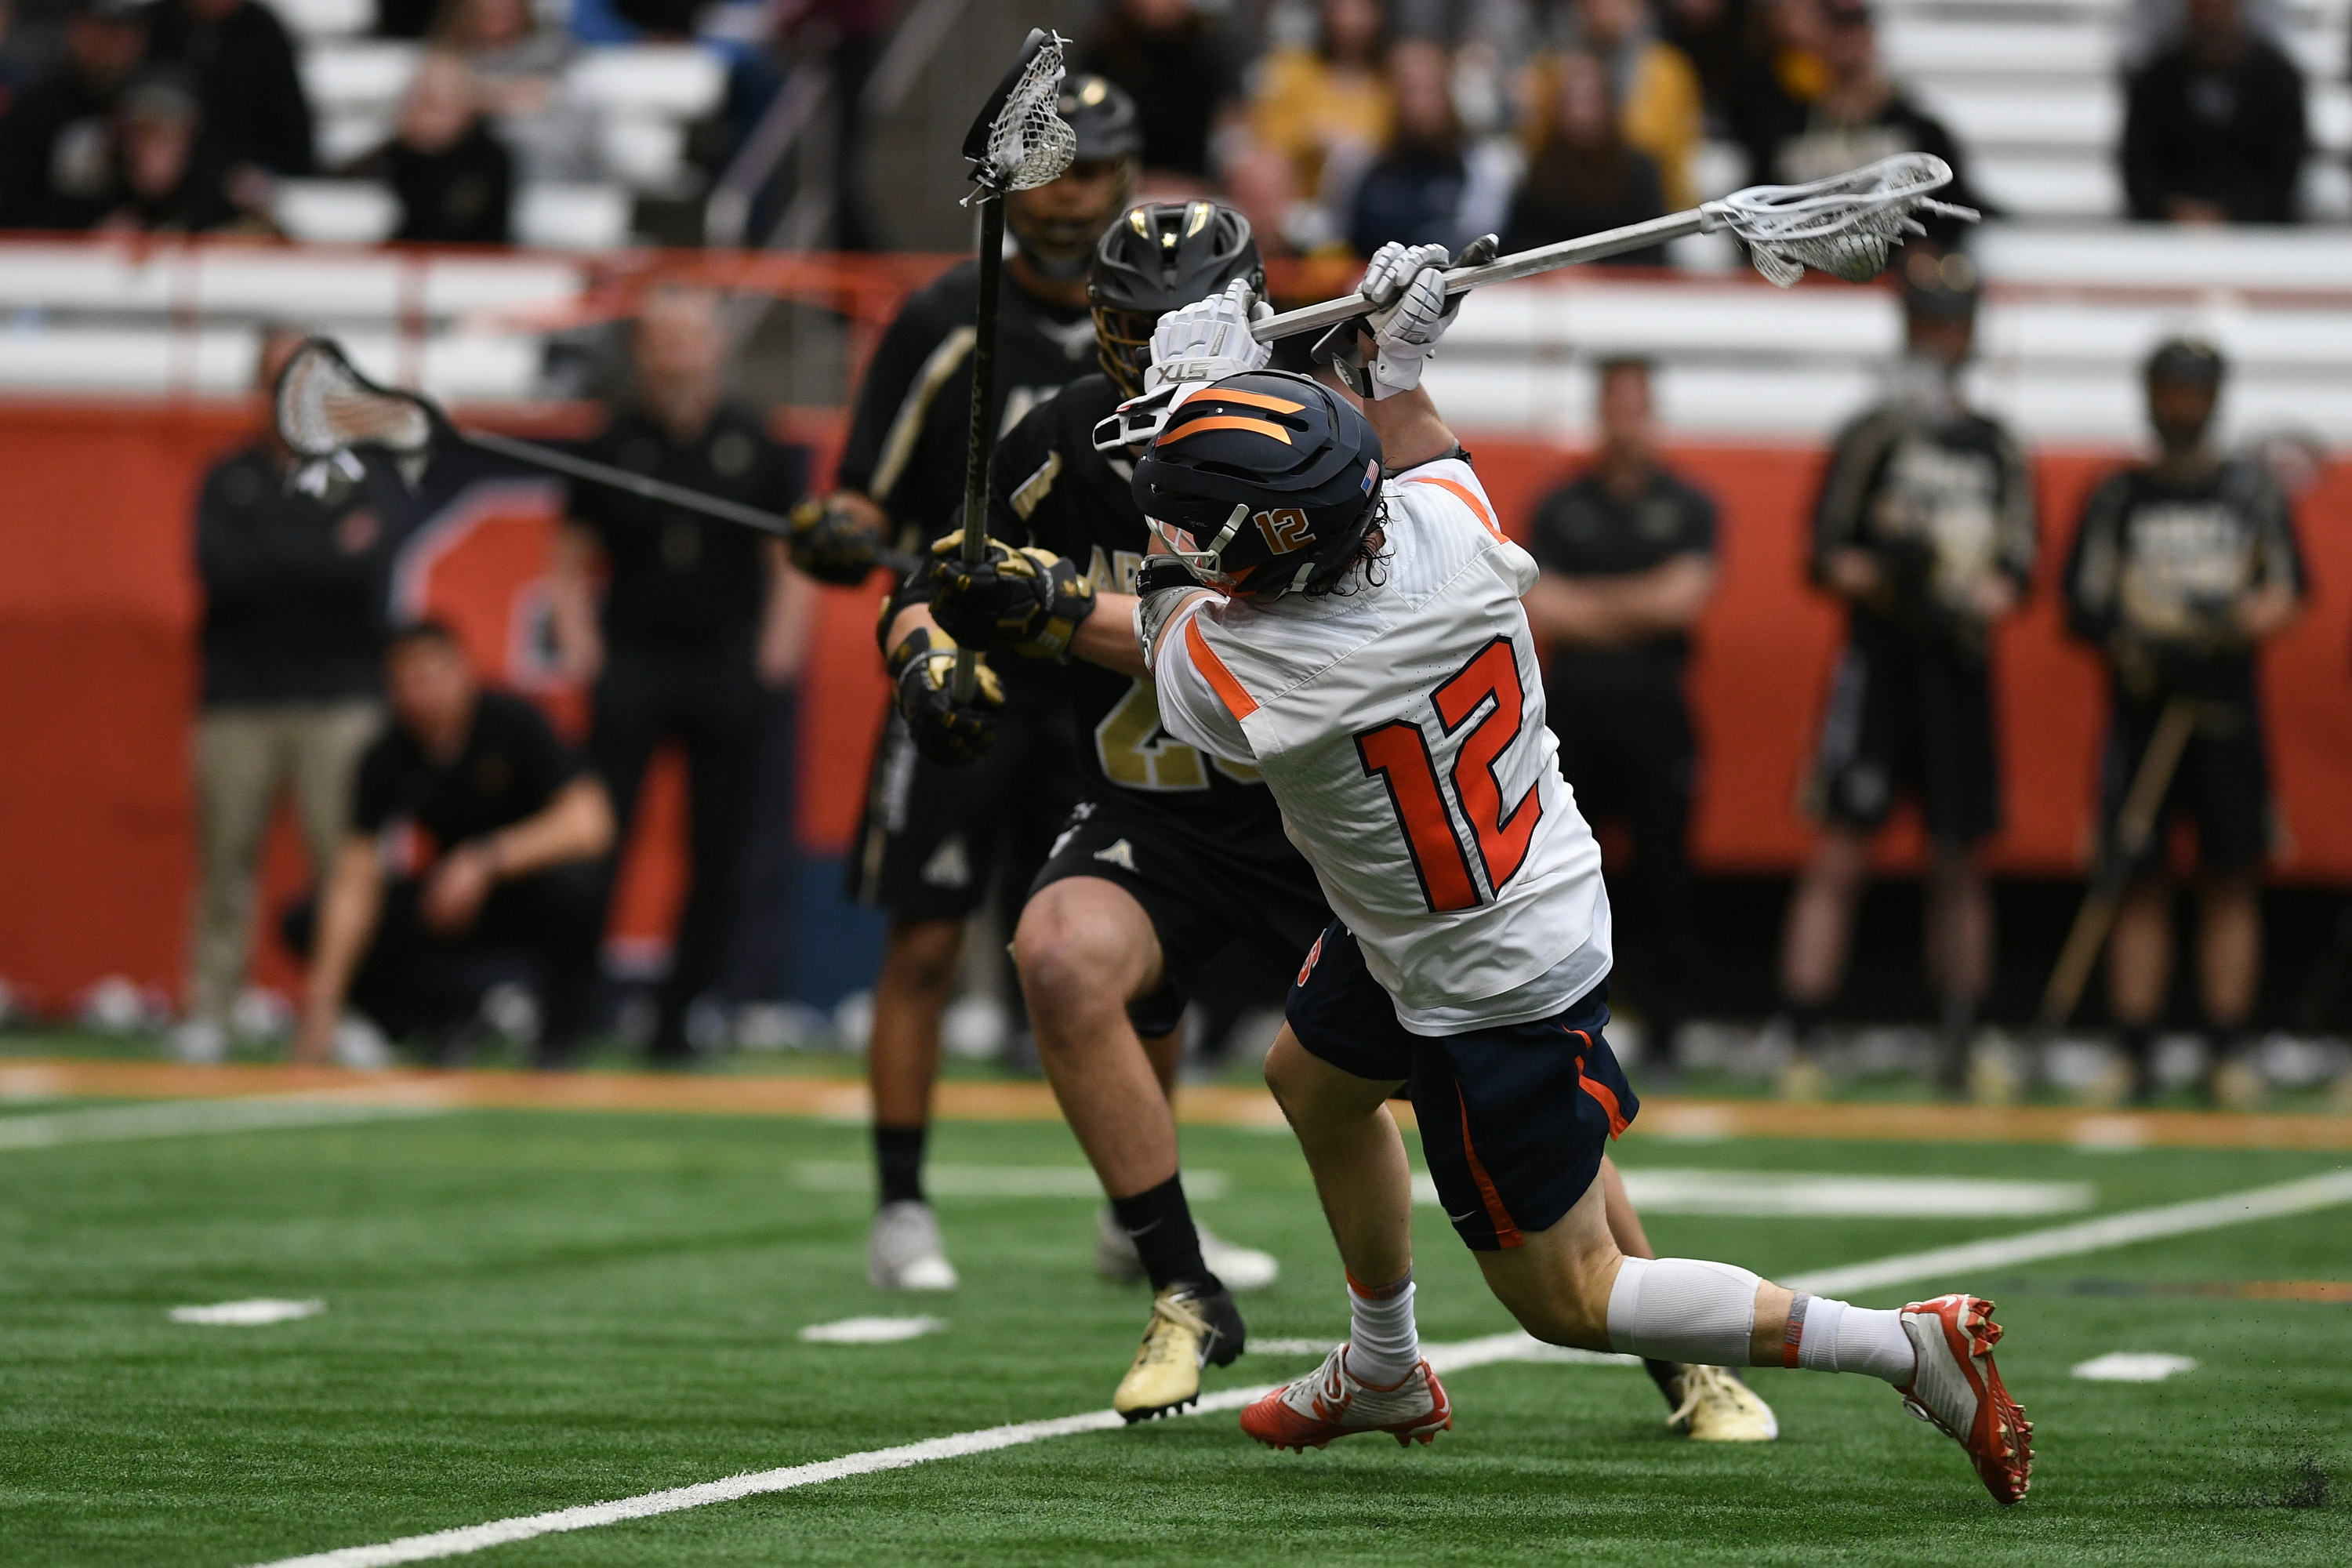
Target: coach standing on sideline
(700, 619)
(2182, 568)
(294, 589)
(1926, 529)
(1628, 557)
(936, 832)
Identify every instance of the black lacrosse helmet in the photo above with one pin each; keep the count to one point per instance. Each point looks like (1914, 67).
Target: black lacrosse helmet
(1263, 484)
(1102, 118)
(1161, 256)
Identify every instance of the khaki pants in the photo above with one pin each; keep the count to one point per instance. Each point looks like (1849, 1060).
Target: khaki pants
(244, 756)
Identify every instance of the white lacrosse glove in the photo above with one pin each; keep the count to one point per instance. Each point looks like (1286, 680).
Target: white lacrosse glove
(1406, 286)
(1209, 340)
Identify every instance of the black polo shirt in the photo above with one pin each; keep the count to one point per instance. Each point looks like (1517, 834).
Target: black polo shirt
(1581, 529)
(512, 766)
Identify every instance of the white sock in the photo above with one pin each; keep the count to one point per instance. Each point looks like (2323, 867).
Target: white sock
(1836, 1336)
(1678, 1308)
(1383, 1341)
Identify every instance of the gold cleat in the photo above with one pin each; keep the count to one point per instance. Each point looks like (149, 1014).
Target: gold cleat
(1192, 1326)
(1715, 1408)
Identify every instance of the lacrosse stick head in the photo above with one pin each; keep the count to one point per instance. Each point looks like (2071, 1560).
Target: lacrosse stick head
(1843, 225)
(1019, 143)
(325, 407)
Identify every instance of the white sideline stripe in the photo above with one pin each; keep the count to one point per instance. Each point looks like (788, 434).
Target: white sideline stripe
(992, 1181)
(173, 1119)
(248, 1314)
(870, 1331)
(2090, 1236)
(2115, 1230)
(2133, 1366)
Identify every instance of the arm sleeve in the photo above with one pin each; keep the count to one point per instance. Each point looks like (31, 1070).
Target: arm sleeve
(2277, 165)
(285, 111)
(1189, 709)
(1023, 470)
(2095, 566)
(371, 787)
(2016, 531)
(2144, 165)
(1543, 535)
(2278, 552)
(1699, 525)
(1854, 463)
(546, 763)
(898, 360)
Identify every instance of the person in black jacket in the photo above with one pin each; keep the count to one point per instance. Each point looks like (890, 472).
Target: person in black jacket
(256, 119)
(1926, 529)
(57, 140)
(1584, 178)
(165, 179)
(2181, 569)
(294, 587)
(454, 180)
(1167, 58)
(700, 622)
(2213, 127)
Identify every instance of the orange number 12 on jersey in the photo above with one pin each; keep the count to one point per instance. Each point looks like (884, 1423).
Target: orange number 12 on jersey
(1398, 753)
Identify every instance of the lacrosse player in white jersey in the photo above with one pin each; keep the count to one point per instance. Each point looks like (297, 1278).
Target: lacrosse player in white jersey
(1339, 611)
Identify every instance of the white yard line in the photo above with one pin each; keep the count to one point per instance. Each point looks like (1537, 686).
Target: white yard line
(2115, 1230)
(173, 1119)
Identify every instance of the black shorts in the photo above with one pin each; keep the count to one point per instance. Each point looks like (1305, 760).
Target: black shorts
(2222, 782)
(1514, 1118)
(934, 832)
(1201, 894)
(1909, 714)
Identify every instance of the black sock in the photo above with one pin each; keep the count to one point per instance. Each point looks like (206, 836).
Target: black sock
(1665, 1373)
(898, 1158)
(1802, 1018)
(2138, 1043)
(1161, 1224)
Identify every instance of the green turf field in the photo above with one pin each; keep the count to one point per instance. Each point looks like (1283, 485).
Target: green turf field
(526, 1312)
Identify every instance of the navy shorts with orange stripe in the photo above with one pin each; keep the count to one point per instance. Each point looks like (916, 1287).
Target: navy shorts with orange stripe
(1514, 1118)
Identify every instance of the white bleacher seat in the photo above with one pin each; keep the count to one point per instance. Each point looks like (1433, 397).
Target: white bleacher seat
(356, 74)
(335, 211)
(1920, 49)
(2027, 117)
(470, 285)
(647, 154)
(344, 137)
(2301, 258)
(126, 361)
(64, 276)
(2085, 184)
(325, 19)
(671, 81)
(1597, 318)
(572, 216)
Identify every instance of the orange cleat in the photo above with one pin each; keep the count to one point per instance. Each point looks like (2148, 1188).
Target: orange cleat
(1957, 1388)
(1331, 1402)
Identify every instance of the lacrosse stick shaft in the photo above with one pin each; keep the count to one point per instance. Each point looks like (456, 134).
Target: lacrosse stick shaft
(2135, 824)
(983, 393)
(595, 473)
(1502, 269)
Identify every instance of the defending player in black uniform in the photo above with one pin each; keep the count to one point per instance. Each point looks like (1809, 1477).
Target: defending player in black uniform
(1171, 855)
(935, 831)
(2181, 569)
(1925, 528)
(1628, 558)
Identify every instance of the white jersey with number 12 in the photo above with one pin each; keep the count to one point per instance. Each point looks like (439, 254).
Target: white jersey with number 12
(1400, 726)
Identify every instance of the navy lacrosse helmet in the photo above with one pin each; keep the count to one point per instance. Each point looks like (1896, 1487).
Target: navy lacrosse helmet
(1263, 484)
(1161, 256)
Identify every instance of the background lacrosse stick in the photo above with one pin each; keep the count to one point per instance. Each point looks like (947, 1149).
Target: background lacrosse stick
(1017, 144)
(325, 407)
(1841, 226)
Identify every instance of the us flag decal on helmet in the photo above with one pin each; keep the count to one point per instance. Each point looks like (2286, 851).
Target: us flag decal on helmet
(1371, 475)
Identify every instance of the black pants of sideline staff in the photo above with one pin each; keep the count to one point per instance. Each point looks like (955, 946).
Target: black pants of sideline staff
(710, 705)
(412, 980)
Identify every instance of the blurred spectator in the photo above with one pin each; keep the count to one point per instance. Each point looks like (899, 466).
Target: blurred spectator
(2213, 127)
(475, 835)
(455, 182)
(1428, 188)
(2151, 26)
(405, 18)
(1859, 116)
(165, 179)
(1776, 74)
(1628, 556)
(1926, 529)
(294, 587)
(1582, 177)
(518, 73)
(256, 121)
(1317, 119)
(2181, 569)
(1714, 35)
(1657, 93)
(57, 140)
(700, 619)
(1178, 71)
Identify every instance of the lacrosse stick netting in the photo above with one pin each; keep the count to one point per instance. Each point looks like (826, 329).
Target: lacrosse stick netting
(1841, 226)
(325, 407)
(1028, 144)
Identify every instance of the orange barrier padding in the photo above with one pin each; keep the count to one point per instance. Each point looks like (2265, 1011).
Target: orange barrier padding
(98, 604)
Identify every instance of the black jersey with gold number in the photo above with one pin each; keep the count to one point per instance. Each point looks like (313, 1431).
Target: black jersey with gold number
(1048, 487)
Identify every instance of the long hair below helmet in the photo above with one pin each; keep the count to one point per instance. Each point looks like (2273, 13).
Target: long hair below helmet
(1263, 484)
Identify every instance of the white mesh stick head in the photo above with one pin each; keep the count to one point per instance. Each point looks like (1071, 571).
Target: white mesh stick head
(325, 407)
(1841, 226)
(1027, 143)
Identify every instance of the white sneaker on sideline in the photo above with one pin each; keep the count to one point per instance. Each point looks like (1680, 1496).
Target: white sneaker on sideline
(201, 1042)
(359, 1044)
(1242, 1270)
(903, 1251)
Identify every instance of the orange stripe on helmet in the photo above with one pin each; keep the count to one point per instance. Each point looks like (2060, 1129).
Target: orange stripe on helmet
(1227, 422)
(1266, 400)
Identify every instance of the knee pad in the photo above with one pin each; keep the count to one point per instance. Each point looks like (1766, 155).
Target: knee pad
(1680, 1309)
